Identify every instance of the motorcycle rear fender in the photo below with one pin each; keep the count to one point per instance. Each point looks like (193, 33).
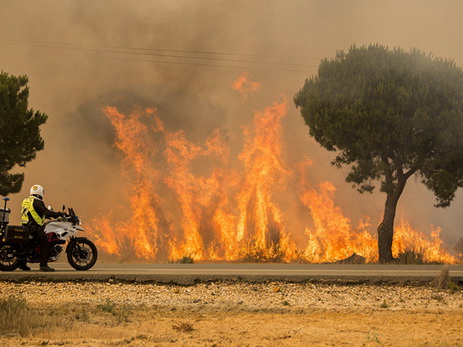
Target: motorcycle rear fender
(74, 239)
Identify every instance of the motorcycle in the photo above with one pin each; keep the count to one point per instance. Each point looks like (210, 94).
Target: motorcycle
(17, 243)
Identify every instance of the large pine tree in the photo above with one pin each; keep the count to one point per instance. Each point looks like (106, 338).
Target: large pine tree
(389, 114)
(19, 131)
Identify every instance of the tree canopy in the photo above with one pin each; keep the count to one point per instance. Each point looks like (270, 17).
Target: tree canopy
(19, 131)
(389, 114)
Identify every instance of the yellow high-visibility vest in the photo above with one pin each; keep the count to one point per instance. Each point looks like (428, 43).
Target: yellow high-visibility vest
(28, 207)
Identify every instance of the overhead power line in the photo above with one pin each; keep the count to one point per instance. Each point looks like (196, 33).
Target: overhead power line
(186, 57)
(156, 49)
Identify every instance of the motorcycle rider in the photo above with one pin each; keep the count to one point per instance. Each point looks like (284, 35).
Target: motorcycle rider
(34, 213)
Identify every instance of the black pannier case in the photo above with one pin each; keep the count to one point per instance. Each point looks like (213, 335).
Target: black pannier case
(16, 234)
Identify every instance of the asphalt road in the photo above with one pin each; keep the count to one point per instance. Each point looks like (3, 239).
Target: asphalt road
(188, 274)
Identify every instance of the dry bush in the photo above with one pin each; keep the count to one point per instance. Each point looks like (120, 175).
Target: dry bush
(122, 313)
(83, 315)
(107, 306)
(444, 282)
(453, 287)
(183, 327)
(443, 279)
(384, 304)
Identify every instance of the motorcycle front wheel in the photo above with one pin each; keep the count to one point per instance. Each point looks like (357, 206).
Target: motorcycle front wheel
(82, 254)
(9, 258)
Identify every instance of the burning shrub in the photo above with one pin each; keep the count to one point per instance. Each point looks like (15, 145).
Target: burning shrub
(188, 259)
(274, 254)
(459, 249)
(410, 257)
(353, 259)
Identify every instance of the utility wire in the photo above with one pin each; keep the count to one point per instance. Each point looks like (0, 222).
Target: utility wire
(104, 57)
(285, 66)
(54, 44)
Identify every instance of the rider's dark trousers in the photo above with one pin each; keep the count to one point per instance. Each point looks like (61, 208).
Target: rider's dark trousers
(43, 247)
(38, 232)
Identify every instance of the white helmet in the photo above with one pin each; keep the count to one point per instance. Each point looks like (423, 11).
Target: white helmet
(37, 190)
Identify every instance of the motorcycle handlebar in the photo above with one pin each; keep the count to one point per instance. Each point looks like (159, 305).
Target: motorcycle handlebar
(65, 217)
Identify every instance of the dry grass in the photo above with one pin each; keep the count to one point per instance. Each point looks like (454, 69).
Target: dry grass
(18, 318)
(15, 316)
(221, 314)
(316, 327)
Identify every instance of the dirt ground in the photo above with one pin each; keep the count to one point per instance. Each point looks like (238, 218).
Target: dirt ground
(221, 314)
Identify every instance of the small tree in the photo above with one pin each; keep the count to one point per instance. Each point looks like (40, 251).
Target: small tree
(19, 131)
(390, 114)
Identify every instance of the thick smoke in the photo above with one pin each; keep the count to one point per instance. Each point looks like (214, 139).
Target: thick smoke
(76, 55)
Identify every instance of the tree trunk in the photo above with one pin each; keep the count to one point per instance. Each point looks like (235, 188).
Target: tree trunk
(386, 228)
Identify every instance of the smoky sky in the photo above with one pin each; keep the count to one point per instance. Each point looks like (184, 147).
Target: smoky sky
(181, 57)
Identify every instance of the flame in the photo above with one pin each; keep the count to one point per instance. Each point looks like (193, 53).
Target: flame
(141, 232)
(332, 237)
(408, 239)
(261, 222)
(195, 200)
(245, 86)
(206, 201)
(203, 199)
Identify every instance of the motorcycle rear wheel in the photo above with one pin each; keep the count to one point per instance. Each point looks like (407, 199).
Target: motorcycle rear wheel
(9, 258)
(82, 254)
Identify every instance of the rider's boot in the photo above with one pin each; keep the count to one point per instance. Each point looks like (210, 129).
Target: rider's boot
(46, 268)
(44, 255)
(23, 266)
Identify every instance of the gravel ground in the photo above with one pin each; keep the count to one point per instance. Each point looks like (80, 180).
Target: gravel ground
(236, 314)
(248, 296)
